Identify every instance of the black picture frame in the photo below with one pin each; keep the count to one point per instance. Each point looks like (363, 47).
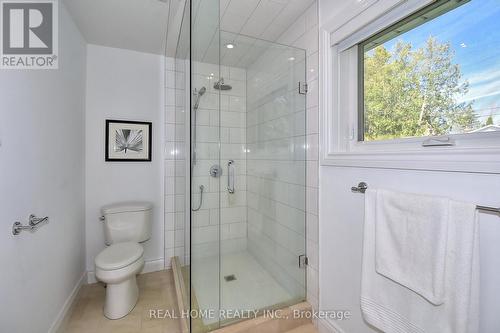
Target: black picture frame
(148, 139)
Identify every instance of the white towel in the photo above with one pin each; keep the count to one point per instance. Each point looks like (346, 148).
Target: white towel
(410, 241)
(392, 307)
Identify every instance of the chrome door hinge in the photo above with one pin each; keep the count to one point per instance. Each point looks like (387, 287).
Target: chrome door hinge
(303, 88)
(303, 261)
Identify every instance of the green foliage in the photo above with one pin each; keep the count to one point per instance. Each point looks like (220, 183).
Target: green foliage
(489, 121)
(414, 92)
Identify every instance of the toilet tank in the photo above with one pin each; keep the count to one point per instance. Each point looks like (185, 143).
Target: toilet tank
(127, 222)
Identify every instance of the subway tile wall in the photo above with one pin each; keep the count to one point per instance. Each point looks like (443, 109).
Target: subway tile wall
(175, 163)
(228, 125)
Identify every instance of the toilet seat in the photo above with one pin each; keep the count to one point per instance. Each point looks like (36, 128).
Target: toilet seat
(118, 256)
(119, 262)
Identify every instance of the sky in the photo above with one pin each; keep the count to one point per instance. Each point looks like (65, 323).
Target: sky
(473, 30)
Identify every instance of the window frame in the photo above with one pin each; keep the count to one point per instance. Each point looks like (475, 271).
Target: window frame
(339, 55)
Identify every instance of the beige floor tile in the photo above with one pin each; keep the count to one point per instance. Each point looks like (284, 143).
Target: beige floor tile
(309, 328)
(156, 291)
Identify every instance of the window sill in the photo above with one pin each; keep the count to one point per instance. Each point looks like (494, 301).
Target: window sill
(474, 160)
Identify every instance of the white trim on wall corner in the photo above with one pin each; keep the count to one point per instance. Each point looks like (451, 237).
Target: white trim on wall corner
(149, 266)
(61, 318)
(326, 92)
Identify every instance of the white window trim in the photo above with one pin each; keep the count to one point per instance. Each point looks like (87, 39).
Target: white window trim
(478, 152)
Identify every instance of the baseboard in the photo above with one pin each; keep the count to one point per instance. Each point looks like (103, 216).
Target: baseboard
(91, 277)
(327, 326)
(153, 266)
(149, 266)
(58, 323)
(180, 290)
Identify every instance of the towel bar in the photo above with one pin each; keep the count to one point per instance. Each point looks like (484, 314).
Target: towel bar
(362, 187)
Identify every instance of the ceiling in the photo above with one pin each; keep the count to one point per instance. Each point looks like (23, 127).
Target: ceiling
(142, 25)
(246, 51)
(139, 25)
(243, 23)
(265, 19)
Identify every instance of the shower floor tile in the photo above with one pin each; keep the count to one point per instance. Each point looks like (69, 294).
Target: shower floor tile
(252, 289)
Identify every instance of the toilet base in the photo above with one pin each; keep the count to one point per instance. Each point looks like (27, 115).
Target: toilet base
(121, 298)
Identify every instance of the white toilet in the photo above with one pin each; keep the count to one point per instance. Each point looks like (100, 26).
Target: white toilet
(126, 225)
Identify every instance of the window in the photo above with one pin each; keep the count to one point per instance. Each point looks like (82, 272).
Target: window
(412, 84)
(435, 72)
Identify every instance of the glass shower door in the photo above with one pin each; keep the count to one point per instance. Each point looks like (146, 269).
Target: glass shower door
(206, 171)
(247, 178)
(262, 214)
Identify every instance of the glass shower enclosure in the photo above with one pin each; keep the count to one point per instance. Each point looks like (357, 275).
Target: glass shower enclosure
(242, 170)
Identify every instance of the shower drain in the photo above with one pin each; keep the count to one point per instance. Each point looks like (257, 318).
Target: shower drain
(229, 278)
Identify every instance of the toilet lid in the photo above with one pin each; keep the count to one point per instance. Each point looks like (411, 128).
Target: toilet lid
(118, 255)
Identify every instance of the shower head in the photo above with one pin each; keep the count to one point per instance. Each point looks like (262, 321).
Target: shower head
(198, 94)
(219, 85)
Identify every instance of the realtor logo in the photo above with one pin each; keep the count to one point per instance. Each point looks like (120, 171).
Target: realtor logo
(28, 34)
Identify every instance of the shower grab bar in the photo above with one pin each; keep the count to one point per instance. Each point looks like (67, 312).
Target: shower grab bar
(201, 199)
(230, 176)
(362, 187)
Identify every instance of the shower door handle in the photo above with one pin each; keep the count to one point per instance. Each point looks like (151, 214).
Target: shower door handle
(230, 176)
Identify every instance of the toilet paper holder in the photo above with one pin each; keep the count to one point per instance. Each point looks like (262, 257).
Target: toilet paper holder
(33, 224)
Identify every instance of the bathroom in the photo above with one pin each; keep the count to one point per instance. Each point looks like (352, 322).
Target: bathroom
(204, 165)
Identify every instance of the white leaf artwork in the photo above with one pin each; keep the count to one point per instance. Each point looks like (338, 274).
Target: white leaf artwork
(127, 139)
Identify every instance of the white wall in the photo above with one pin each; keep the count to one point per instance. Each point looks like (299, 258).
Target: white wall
(128, 85)
(42, 172)
(341, 230)
(342, 213)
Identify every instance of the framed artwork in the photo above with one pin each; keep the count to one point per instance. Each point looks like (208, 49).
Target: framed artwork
(128, 141)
